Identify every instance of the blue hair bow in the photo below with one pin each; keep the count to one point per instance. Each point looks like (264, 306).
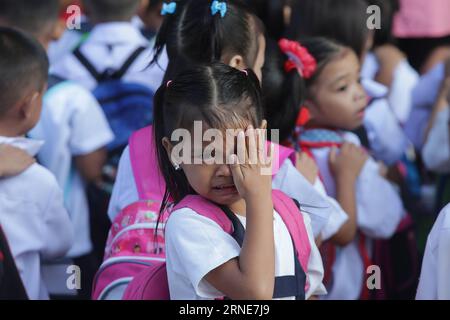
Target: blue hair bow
(217, 7)
(168, 8)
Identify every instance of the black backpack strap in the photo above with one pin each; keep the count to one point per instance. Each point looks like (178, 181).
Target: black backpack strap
(87, 64)
(127, 64)
(11, 286)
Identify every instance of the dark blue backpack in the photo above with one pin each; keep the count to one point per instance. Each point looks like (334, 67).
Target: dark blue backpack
(127, 106)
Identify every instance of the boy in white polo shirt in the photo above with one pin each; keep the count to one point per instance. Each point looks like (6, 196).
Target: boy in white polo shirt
(75, 132)
(32, 212)
(111, 42)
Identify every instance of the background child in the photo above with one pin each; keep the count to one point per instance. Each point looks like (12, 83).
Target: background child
(111, 42)
(223, 98)
(336, 102)
(76, 133)
(386, 64)
(284, 90)
(434, 279)
(32, 212)
(346, 22)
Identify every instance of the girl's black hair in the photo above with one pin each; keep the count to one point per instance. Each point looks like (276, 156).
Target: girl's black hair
(271, 13)
(342, 20)
(220, 96)
(283, 92)
(193, 35)
(389, 9)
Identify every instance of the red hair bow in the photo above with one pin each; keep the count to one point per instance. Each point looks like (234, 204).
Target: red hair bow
(298, 58)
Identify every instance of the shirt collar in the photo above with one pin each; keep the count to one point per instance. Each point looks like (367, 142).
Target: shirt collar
(31, 146)
(116, 32)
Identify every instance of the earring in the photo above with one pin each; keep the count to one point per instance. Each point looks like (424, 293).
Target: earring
(177, 167)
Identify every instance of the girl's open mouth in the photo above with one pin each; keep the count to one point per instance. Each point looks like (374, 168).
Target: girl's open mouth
(225, 189)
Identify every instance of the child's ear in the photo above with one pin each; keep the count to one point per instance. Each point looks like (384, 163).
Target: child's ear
(237, 62)
(27, 105)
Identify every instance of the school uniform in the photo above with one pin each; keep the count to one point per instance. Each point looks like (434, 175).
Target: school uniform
(387, 140)
(34, 219)
(404, 80)
(196, 245)
(72, 124)
(108, 46)
(435, 277)
(436, 150)
(287, 179)
(424, 97)
(379, 211)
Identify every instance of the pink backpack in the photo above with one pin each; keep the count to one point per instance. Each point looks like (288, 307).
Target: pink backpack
(132, 246)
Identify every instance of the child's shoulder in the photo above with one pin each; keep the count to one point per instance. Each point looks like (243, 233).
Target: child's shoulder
(35, 185)
(351, 137)
(70, 93)
(38, 179)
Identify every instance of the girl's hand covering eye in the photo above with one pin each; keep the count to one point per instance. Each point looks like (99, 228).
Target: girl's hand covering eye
(252, 165)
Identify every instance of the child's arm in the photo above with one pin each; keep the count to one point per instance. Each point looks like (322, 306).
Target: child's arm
(307, 167)
(252, 274)
(346, 167)
(389, 58)
(57, 231)
(13, 161)
(90, 165)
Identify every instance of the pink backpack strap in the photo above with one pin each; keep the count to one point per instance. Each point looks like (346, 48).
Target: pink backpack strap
(206, 209)
(293, 219)
(281, 154)
(144, 162)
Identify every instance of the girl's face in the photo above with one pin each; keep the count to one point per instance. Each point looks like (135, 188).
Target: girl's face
(207, 177)
(212, 181)
(337, 98)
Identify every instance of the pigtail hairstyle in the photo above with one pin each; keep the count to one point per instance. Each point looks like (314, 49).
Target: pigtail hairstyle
(193, 34)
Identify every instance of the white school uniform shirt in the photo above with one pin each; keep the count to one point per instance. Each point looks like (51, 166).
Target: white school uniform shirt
(387, 140)
(196, 245)
(424, 96)
(436, 150)
(108, 46)
(379, 211)
(72, 124)
(287, 179)
(34, 219)
(405, 79)
(435, 277)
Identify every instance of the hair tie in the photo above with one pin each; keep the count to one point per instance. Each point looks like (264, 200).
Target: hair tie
(218, 7)
(298, 58)
(168, 83)
(168, 8)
